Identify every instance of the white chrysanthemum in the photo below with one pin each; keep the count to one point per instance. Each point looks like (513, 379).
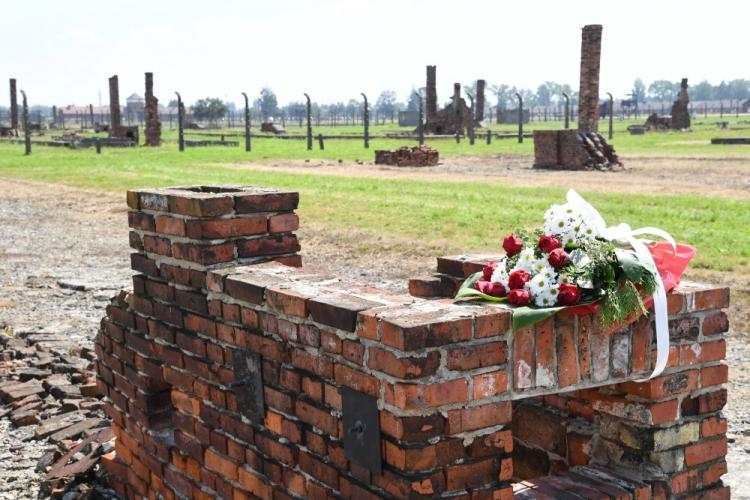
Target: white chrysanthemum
(527, 261)
(500, 274)
(547, 298)
(541, 283)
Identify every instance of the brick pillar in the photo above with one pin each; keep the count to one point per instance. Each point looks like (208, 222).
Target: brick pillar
(431, 97)
(588, 95)
(114, 103)
(178, 234)
(479, 113)
(151, 114)
(13, 105)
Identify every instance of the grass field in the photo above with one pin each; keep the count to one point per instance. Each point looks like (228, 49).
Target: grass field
(455, 216)
(693, 144)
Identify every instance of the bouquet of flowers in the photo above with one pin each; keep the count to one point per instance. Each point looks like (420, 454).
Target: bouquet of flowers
(575, 261)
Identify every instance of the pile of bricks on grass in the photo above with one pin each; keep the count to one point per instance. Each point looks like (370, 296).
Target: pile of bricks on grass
(573, 150)
(230, 376)
(419, 156)
(47, 383)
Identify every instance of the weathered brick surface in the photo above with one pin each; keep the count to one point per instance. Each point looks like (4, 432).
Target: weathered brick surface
(465, 403)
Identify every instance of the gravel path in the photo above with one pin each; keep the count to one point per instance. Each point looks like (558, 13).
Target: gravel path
(64, 253)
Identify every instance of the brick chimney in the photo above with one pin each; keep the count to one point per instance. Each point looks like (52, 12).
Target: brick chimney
(431, 106)
(588, 94)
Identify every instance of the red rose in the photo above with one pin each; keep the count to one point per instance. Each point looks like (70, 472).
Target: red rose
(488, 270)
(517, 279)
(490, 288)
(548, 243)
(558, 258)
(512, 245)
(519, 297)
(568, 295)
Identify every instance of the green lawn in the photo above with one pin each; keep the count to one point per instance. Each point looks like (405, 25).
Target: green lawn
(459, 216)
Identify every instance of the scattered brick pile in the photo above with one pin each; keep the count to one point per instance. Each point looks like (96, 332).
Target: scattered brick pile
(573, 150)
(47, 383)
(419, 156)
(233, 382)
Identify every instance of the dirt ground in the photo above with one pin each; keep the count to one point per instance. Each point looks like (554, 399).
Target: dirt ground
(64, 253)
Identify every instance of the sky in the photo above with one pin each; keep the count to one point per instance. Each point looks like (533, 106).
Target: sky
(63, 52)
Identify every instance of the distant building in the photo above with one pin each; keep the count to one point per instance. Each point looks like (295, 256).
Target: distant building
(134, 106)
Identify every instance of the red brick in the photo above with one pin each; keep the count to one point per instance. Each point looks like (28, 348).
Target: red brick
(406, 367)
(567, 357)
(321, 419)
(319, 470)
(477, 356)
(170, 225)
(491, 384)
(287, 302)
(479, 417)
(585, 327)
(712, 474)
(705, 451)
(545, 353)
(330, 342)
(268, 245)
(492, 323)
(664, 386)
(220, 464)
(714, 298)
(314, 363)
(200, 205)
(471, 475)
(157, 245)
(140, 220)
(353, 351)
(522, 359)
(204, 254)
(417, 396)
(254, 483)
(713, 426)
(226, 228)
(684, 482)
(266, 202)
(715, 324)
(357, 380)
(283, 223)
(714, 375)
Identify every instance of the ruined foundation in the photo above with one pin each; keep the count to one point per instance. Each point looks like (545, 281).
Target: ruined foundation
(420, 156)
(586, 148)
(451, 120)
(229, 376)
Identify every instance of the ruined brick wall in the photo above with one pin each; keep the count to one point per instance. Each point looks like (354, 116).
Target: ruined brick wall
(114, 103)
(13, 105)
(229, 377)
(588, 94)
(151, 114)
(431, 106)
(668, 434)
(419, 156)
(479, 114)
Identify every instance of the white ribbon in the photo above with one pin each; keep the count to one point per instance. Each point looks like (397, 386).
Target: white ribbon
(624, 234)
